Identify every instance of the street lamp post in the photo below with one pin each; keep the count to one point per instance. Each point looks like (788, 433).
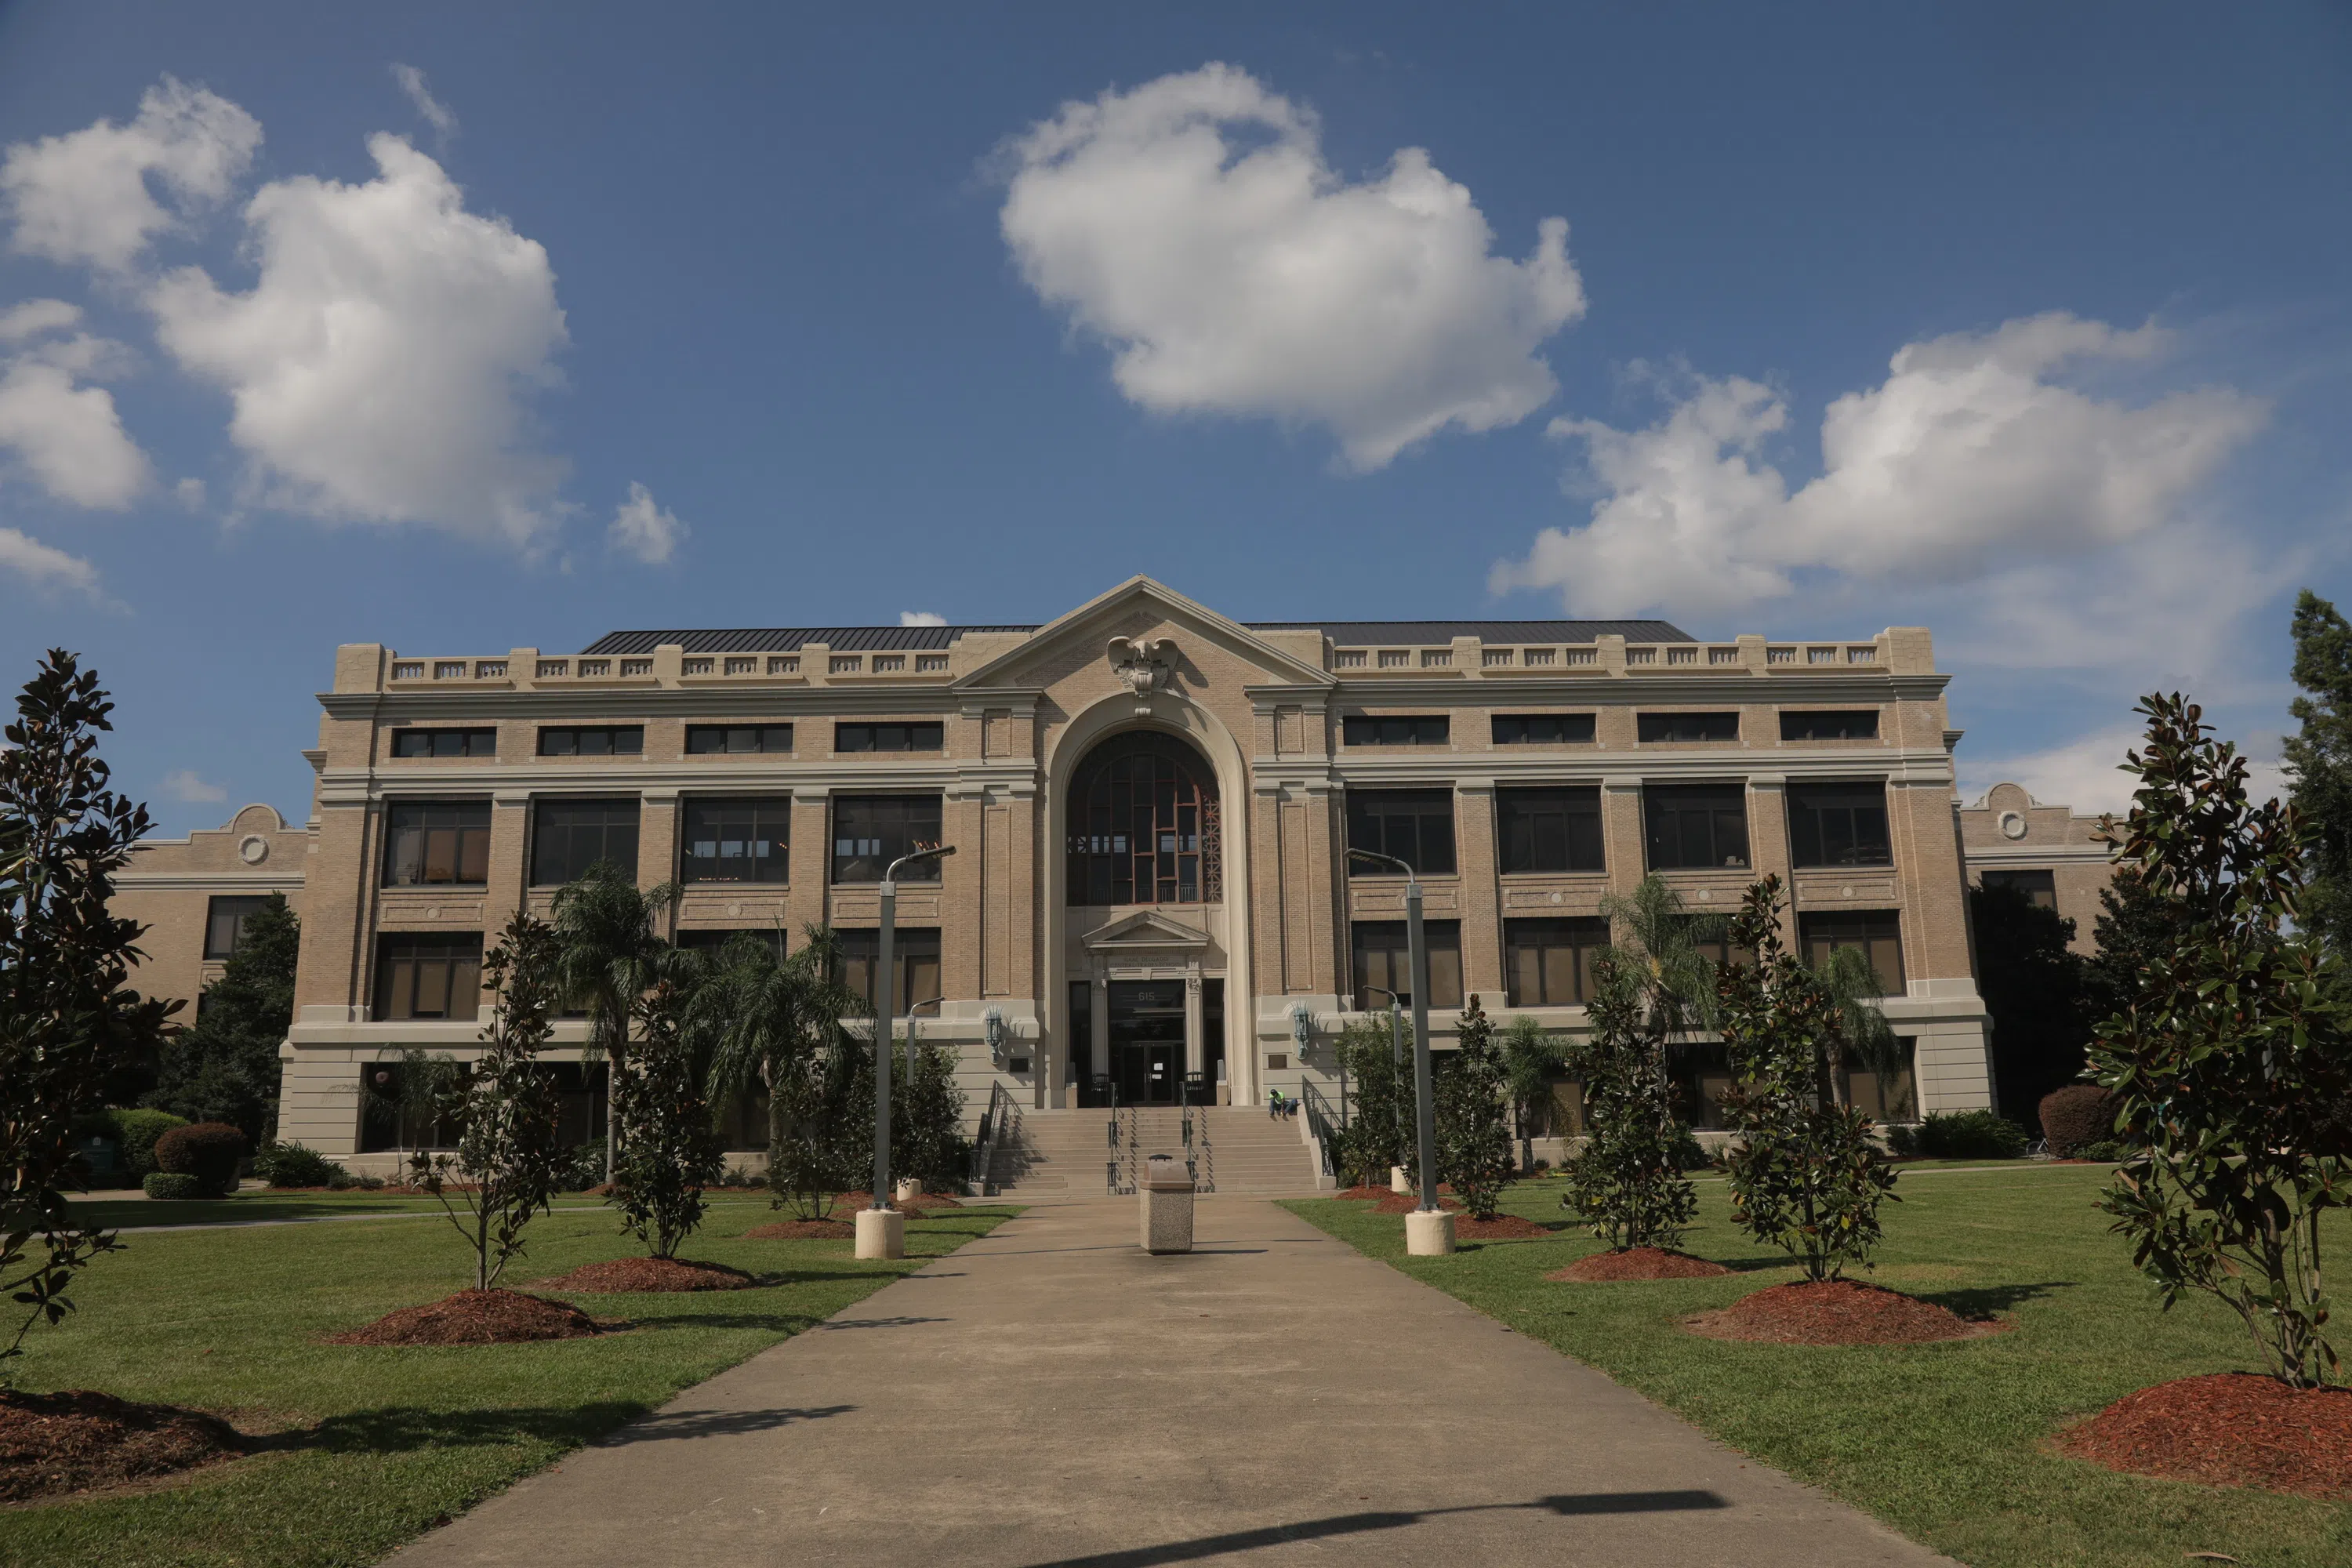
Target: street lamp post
(881, 1229)
(1429, 1229)
(1396, 1056)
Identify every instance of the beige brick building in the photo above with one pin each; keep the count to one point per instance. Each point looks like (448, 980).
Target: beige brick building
(1151, 805)
(2051, 852)
(193, 895)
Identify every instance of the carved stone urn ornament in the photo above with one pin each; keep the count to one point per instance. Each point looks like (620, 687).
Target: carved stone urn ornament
(1145, 664)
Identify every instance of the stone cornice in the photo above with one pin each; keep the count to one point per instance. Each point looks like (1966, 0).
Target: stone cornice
(622, 704)
(1789, 687)
(1765, 764)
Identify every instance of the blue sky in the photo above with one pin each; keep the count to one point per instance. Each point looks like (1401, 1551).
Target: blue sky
(2030, 329)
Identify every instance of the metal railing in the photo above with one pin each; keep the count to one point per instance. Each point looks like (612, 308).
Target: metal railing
(1123, 1171)
(1200, 1159)
(1323, 1123)
(995, 1124)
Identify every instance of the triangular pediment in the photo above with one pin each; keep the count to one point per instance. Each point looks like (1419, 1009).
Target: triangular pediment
(1145, 928)
(1093, 623)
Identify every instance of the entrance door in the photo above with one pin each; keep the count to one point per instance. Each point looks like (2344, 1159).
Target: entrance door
(1147, 1040)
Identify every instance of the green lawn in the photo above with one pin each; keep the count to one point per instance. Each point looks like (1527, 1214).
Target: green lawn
(376, 1445)
(1944, 1442)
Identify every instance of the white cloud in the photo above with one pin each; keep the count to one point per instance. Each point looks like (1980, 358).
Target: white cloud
(643, 530)
(1970, 458)
(2087, 774)
(1194, 224)
(63, 432)
(84, 198)
(184, 785)
(920, 618)
(44, 567)
(380, 366)
(190, 493)
(435, 113)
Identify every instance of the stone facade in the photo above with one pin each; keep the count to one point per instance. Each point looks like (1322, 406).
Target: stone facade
(1231, 971)
(2051, 850)
(176, 887)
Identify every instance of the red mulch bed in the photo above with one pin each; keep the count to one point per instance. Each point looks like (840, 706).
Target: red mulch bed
(1406, 1202)
(1637, 1263)
(51, 1444)
(1502, 1227)
(922, 1201)
(804, 1230)
(1366, 1193)
(2228, 1429)
(1835, 1312)
(476, 1318)
(630, 1274)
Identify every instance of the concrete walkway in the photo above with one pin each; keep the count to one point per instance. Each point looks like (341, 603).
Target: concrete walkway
(1050, 1395)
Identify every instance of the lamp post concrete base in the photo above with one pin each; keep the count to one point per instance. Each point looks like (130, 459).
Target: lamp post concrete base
(1397, 1180)
(903, 1193)
(882, 1233)
(1428, 1233)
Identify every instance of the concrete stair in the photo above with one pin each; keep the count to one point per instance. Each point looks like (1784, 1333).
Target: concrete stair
(1069, 1153)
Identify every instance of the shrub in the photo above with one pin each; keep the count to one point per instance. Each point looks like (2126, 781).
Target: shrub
(1474, 1141)
(1626, 1182)
(2078, 1114)
(134, 1133)
(292, 1166)
(582, 1168)
(172, 1185)
(1379, 1130)
(669, 1144)
(2107, 1154)
(1968, 1135)
(211, 1152)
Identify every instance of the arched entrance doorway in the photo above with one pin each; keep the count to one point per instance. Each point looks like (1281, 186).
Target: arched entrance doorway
(1144, 870)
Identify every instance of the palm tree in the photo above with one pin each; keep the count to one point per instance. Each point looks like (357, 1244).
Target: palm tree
(1865, 1036)
(611, 953)
(1655, 940)
(770, 1023)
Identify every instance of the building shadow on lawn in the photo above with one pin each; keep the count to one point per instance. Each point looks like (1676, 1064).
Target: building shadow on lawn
(1981, 1303)
(1566, 1506)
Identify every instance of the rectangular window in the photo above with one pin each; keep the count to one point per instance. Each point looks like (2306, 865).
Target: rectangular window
(1837, 724)
(1550, 830)
(927, 735)
(1416, 826)
(869, 831)
(388, 1121)
(1711, 934)
(1549, 962)
(1877, 933)
(1543, 728)
(224, 922)
(427, 842)
(444, 743)
(915, 954)
(1395, 729)
(1383, 960)
(1694, 827)
(427, 976)
(1891, 1096)
(2040, 887)
(569, 835)
(717, 740)
(736, 841)
(1838, 825)
(1654, 727)
(602, 741)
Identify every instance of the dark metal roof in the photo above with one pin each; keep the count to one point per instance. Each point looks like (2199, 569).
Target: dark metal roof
(863, 639)
(1484, 631)
(786, 639)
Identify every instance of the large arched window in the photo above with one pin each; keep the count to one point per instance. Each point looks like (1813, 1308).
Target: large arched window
(1144, 828)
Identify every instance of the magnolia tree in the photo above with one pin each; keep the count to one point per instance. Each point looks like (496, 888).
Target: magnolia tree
(2229, 1060)
(1805, 1175)
(1379, 1133)
(671, 1148)
(509, 1157)
(1626, 1183)
(67, 1021)
(1473, 1139)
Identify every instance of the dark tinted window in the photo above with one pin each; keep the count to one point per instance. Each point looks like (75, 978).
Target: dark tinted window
(928, 735)
(444, 743)
(602, 741)
(2040, 887)
(1839, 724)
(1549, 829)
(431, 976)
(1394, 729)
(736, 841)
(915, 954)
(712, 740)
(1711, 934)
(1838, 825)
(1690, 827)
(1687, 726)
(1543, 728)
(569, 835)
(1416, 826)
(1382, 959)
(1549, 962)
(224, 922)
(870, 831)
(1144, 825)
(1877, 933)
(432, 841)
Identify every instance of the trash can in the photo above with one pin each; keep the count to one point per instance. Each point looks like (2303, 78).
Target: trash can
(1166, 1197)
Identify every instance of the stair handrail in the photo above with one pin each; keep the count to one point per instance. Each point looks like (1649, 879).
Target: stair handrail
(1322, 1126)
(993, 1123)
(1123, 1169)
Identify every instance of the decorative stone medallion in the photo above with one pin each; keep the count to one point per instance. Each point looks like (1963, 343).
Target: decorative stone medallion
(253, 848)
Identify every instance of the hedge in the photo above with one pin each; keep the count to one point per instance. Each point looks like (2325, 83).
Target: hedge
(2075, 1116)
(210, 1151)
